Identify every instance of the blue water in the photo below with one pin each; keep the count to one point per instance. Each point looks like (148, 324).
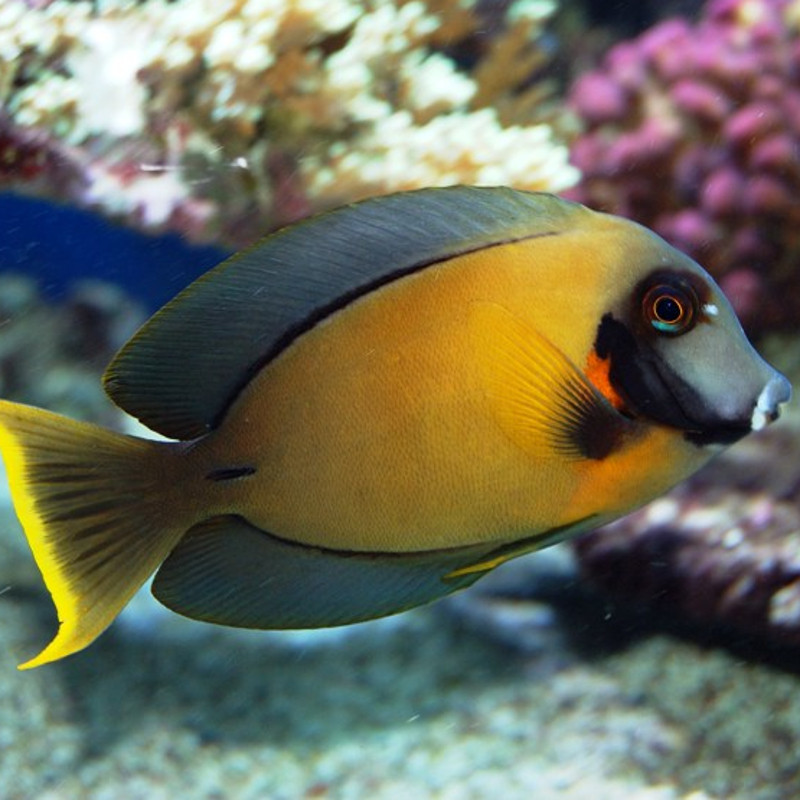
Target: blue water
(56, 245)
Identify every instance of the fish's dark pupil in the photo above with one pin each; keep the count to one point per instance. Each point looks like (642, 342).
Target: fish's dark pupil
(668, 310)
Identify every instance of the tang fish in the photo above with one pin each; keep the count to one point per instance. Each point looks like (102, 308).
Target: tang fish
(373, 408)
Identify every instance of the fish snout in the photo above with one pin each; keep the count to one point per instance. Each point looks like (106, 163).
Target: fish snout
(777, 391)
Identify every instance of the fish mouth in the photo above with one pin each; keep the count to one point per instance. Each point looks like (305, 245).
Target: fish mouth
(766, 410)
(709, 414)
(768, 405)
(723, 435)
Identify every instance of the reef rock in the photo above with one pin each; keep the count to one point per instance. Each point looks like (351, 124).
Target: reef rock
(724, 547)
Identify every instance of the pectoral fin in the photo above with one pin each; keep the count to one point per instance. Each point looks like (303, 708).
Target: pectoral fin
(522, 547)
(541, 400)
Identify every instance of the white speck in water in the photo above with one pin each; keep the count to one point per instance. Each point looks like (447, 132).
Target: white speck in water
(733, 538)
(762, 512)
(701, 519)
(784, 608)
(662, 511)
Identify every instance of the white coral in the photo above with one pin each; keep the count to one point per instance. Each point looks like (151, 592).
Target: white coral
(397, 154)
(355, 89)
(110, 99)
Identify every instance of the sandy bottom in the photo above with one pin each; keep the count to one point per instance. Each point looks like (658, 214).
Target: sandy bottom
(419, 706)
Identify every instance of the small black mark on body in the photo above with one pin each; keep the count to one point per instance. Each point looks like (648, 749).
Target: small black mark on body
(230, 473)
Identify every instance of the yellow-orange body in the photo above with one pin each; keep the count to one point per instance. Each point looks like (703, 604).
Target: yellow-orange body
(373, 431)
(374, 408)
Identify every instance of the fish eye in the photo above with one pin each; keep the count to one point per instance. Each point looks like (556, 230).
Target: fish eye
(670, 309)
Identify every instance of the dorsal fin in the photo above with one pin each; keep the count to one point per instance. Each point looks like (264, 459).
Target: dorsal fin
(185, 366)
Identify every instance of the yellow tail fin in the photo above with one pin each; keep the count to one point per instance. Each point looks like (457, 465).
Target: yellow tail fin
(97, 512)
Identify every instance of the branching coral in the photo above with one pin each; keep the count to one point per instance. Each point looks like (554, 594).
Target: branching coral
(222, 118)
(695, 131)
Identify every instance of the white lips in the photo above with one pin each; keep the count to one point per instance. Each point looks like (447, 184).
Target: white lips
(778, 390)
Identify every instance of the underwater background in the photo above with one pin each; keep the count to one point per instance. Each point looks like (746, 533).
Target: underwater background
(655, 659)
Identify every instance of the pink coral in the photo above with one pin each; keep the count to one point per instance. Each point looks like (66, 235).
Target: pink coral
(694, 130)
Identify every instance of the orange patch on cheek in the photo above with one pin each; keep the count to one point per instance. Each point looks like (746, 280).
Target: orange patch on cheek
(597, 370)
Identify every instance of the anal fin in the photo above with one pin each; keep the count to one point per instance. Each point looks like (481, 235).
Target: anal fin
(228, 572)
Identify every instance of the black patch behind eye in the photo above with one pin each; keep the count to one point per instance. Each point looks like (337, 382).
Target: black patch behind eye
(655, 391)
(230, 473)
(636, 374)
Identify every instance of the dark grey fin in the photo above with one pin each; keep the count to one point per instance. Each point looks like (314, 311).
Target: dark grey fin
(182, 370)
(541, 400)
(228, 572)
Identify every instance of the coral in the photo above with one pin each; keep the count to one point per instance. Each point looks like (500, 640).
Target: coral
(694, 131)
(723, 547)
(222, 118)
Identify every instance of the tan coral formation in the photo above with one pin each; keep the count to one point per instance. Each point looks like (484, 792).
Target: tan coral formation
(222, 118)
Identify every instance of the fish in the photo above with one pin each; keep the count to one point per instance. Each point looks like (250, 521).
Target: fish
(373, 408)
